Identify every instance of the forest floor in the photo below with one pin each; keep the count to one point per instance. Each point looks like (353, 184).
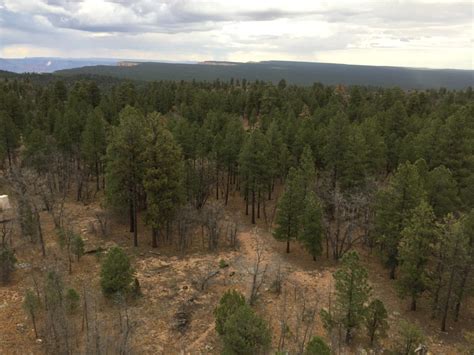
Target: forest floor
(171, 285)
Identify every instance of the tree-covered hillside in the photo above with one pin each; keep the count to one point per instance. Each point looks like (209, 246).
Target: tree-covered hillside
(300, 73)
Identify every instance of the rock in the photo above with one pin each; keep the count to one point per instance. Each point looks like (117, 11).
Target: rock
(23, 266)
(21, 327)
(39, 341)
(208, 347)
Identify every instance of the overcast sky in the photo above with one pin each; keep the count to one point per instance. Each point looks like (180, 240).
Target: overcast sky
(417, 33)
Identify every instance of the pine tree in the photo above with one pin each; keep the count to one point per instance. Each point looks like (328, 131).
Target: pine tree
(253, 166)
(414, 252)
(312, 230)
(163, 178)
(354, 165)
(246, 333)
(409, 337)
(228, 305)
(94, 144)
(394, 207)
(308, 170)
(116, 274)
(442, 191)
(9, 137)
(337, 137)
(317, 346)
(289, 209)
(376, 321)
(125, 165)
(31, 305)
(352, 292)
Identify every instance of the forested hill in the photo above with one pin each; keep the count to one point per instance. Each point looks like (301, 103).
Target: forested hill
(301, 73)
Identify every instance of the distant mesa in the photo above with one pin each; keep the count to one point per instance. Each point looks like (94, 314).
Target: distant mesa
(217, 62)
(127, 64)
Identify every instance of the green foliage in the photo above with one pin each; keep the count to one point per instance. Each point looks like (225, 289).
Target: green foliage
(71, 300)
(54, 289)
(125, 157)
(31, 302)
(442, 191)
(312, 231)
(307, 169)
(409, 337)
(394, 207)
(228, 305)
(414, 252)
(163, 178)
(31, 305)
(116, 273)
(223, 264)
(77, 245)
(7, 264)
(94, 143)
(317, 346)
(9, 137)
(288, 217)
(125, 164)
(352, 292)
(245, 333)
(376, 321)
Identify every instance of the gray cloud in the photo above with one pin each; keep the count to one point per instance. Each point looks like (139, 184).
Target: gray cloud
(178, 28)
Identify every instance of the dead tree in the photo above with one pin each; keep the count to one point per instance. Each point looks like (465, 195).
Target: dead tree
(212, 216)
(349, 217)
(185, 220)
(257, 271)
(305, 319)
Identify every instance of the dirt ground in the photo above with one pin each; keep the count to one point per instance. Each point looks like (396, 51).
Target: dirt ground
(171, 284)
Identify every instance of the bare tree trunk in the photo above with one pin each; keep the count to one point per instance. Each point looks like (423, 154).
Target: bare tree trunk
(40, 231)
(135, 217)
(253, 206)
(154, 237)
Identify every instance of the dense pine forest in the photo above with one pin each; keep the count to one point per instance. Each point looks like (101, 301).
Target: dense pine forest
(374, 187)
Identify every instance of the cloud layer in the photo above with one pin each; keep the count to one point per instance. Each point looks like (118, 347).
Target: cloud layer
(384, 32)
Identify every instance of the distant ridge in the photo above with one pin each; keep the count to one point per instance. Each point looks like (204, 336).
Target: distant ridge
(301, 73)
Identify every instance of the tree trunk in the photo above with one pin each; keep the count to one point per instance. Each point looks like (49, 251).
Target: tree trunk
(154, 237)
(413, 303)
(132, 217)
(97, 175)
(258, 205)
(460, 294)
(288, 245)
(227, 187)
(392, 272)
(253, 206)
(135, 218)
(33, 319)
(217, 183)
(246, 202)
(448, 299)
(40, 232)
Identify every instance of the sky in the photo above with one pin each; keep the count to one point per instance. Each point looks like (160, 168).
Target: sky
(414, 33)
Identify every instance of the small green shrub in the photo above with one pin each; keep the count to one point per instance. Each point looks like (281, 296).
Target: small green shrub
(228, 304)
(72, 300)
(116, 274)
(317, 346)
(245, 333)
